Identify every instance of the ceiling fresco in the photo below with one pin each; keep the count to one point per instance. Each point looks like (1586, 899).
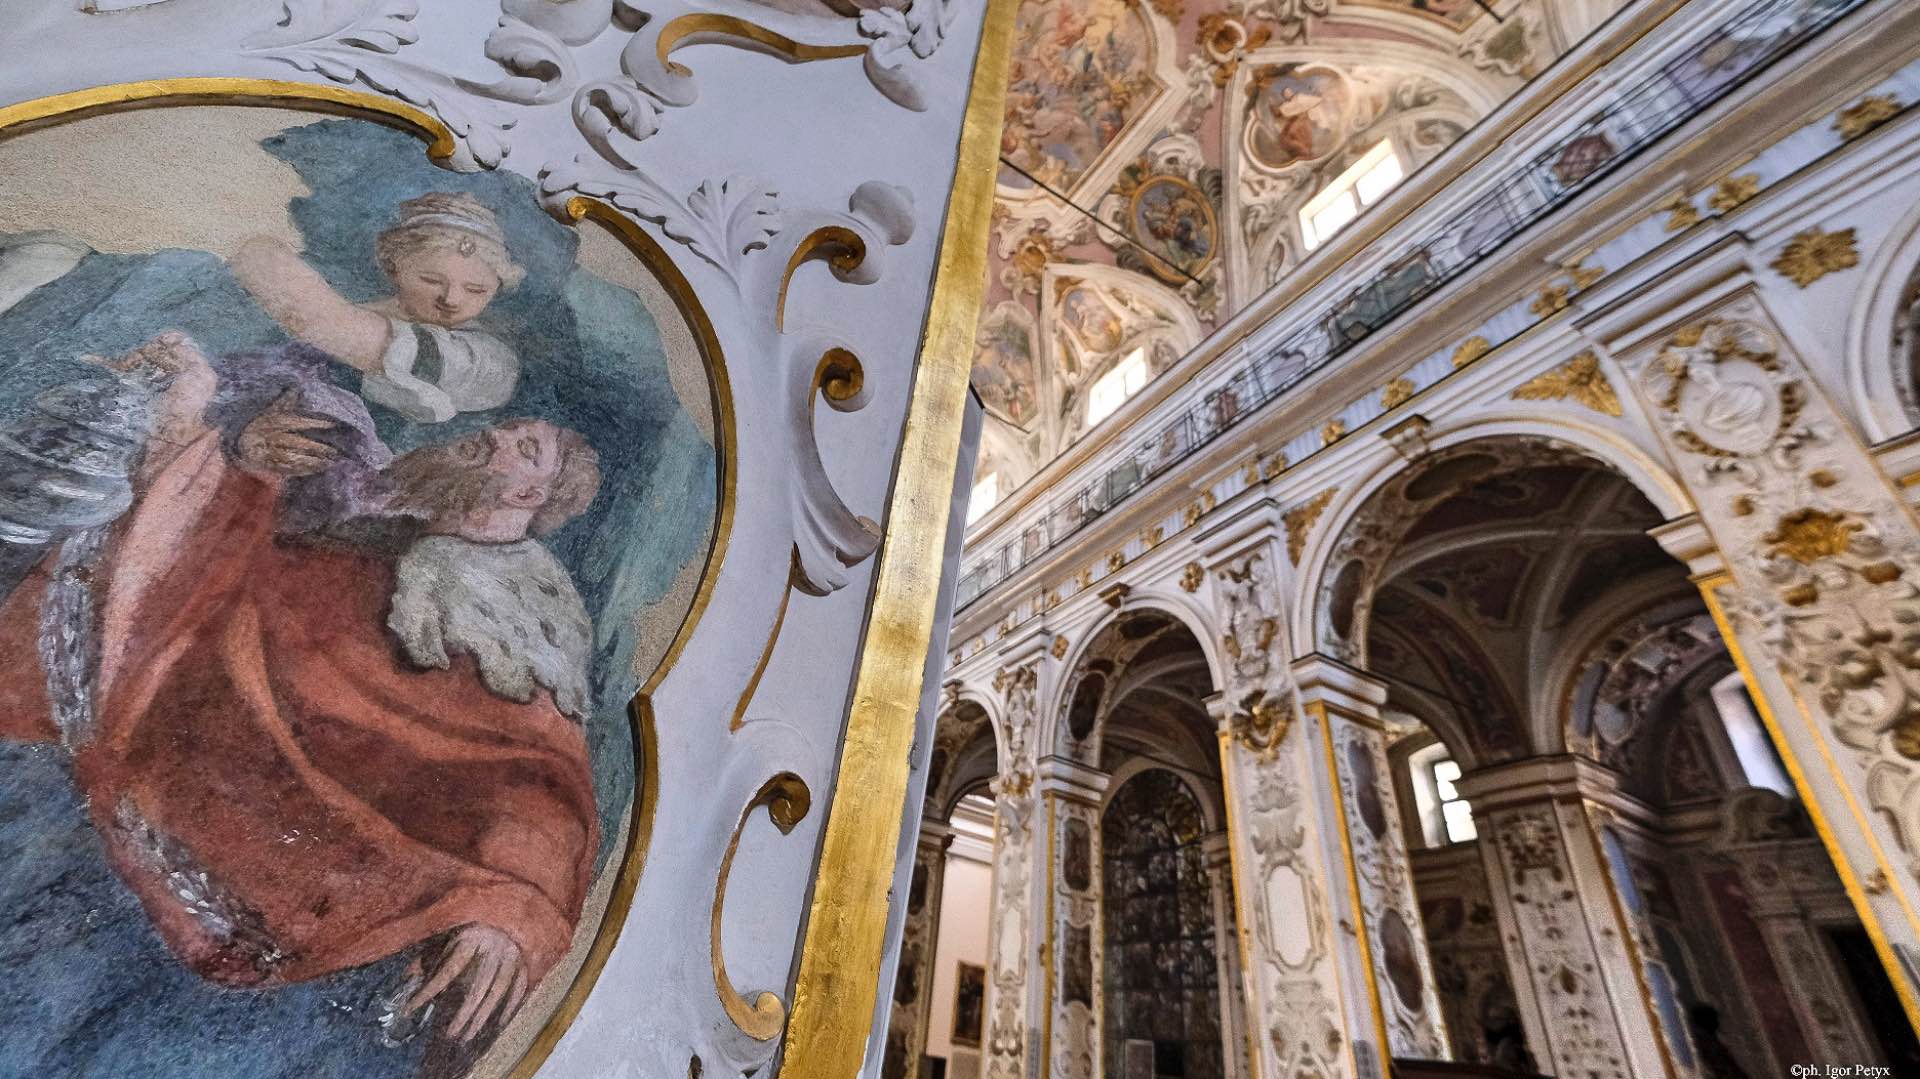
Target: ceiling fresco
(1157, 154)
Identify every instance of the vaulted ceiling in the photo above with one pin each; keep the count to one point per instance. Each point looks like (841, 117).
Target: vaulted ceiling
(1491, 585)
(1157, 153)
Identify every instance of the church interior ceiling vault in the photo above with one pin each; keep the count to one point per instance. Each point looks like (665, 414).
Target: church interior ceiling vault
(1158, 154)
(1492, 586)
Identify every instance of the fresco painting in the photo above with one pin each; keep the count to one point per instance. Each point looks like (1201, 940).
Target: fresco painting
(1003, 366)
(1080, 73)
(1173, 219)
(1298, 114)
(331, 555)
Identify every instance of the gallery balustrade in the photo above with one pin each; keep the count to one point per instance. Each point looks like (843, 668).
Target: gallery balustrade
(1723, 59)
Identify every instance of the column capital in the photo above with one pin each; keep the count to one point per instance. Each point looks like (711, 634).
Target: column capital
(1217, 849)
(1343, 689)
(1687, 539)
(1071, 780)
(936, 834)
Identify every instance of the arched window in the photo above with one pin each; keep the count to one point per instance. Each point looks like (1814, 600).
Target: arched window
(1366, 182)
(1445, 817)
(1112, 389)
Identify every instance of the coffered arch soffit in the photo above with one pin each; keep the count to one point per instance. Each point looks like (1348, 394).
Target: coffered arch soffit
(1367, 518)
(1147, 661)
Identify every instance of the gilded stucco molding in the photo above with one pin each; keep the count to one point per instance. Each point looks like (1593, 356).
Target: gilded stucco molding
(1866, 114)
(1300, 521)
(1580, 379)
(1814, 253)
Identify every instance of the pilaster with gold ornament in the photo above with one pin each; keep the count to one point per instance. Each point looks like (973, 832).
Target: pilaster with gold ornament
(1016, 937)
(1583, 999)
(1070, 795)
(1382, 909)
(1298, 981)
(1819, 597)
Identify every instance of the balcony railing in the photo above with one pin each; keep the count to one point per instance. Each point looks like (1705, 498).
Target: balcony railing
(1722, 60)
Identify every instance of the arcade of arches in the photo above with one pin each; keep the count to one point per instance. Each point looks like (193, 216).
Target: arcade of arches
(1528, 685)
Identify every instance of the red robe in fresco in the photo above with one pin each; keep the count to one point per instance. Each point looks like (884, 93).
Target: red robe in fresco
(284, 793)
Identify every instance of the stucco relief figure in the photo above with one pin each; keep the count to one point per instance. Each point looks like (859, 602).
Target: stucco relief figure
(330, 561)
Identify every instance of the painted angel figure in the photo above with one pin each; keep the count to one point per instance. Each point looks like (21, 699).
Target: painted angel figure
(417, 351)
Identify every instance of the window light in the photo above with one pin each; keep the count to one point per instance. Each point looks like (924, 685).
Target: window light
(1364, 183)
(986, 492)
(1456, 816)
(1112, 389)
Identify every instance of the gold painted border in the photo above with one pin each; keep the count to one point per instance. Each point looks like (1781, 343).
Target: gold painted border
(1383, 1046)
(1250, 999)
(1710, 586)
(835, 989)
(31, 115)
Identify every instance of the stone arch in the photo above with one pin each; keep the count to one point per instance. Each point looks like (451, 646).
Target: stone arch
(1181, 609)
(1359, 522)
(955, 734)
(1551, 724)
(1882, 343)
(1205, 789)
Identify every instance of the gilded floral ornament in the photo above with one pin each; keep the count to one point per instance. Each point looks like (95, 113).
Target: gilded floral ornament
(1733, 190)
(1866, 114)
(1115, 560)
(1059, 648)
(1809, 535)
(1680, 210)
(1300, 520)
(1470, 350)
(1334, 431)
(1572, 279)
(1580, 379)
(1814, 253)
(1396, 393)
(1191, 577)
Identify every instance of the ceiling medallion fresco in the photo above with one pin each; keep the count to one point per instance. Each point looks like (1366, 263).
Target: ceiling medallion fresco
(1080, 75)
(1173, 220)
(1297, 114)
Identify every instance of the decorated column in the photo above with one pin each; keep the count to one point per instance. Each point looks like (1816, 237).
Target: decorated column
(1380, 878)
(1017, 998)
(1305, 987)
(1570, 942)
(1811, 562)
(1235, 1048)
(1071, 957)
(913, 985)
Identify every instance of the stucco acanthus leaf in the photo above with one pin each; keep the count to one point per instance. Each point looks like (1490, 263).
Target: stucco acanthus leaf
(720, 220)
(898, 35)
(828, 537)
(356, 41)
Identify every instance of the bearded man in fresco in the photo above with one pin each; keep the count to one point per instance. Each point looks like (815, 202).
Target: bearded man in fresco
(307, 753)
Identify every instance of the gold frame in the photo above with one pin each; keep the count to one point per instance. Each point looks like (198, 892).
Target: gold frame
(835, 990)
(42, 112)
(1162, 266)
